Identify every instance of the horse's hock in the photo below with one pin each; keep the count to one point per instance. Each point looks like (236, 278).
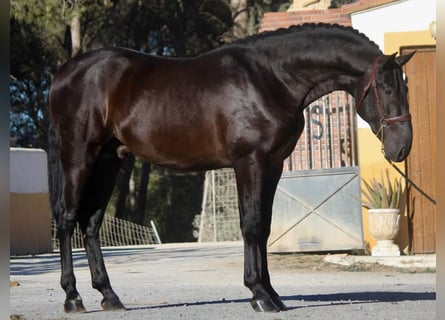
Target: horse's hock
(30, 215)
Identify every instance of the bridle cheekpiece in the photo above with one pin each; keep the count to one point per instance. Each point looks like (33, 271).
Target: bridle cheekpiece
(384, 119)
(372, 83)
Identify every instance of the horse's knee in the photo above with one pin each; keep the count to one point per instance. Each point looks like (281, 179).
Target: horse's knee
(90, 226)
(90, 237)
(255, 229)
(66, 222)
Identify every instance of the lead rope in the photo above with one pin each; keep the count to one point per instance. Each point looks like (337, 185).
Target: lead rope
(408, 180)
(423, 193)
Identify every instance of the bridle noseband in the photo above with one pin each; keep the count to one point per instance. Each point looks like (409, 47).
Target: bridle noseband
(384, 119)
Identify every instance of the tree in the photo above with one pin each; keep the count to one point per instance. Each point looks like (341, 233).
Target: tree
(247, 15)
(339, 3)
(44, 34)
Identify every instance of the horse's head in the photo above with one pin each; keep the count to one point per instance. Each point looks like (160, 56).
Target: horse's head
(383, 103)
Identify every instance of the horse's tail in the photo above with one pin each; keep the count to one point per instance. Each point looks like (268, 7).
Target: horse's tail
(55, 175)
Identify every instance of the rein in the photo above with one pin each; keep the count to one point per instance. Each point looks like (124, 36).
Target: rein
(408, 180)
(386, 121)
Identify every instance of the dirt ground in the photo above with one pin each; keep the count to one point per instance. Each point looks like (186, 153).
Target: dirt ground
(315, 263)
(204, 281)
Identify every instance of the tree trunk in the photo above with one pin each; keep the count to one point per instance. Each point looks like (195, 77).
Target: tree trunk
(123, 187)
(141, 200)
(176, 25)
(75, 33)
(131, 195)
(240, 16)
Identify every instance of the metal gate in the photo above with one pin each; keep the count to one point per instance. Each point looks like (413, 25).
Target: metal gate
(316, 206)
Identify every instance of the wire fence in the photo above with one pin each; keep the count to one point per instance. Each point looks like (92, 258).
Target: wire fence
(219, 219)
(114, 232)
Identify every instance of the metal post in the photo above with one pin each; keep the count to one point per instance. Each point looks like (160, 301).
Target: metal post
(214, 205)
(203, 207)
(155, 231)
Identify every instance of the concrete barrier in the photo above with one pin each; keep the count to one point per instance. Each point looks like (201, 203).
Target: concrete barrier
(30, 215)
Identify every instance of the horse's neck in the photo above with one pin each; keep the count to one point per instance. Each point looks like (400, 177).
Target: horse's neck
(313, 68)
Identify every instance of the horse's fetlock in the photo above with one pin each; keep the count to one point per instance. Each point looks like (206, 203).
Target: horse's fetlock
(101, 282)
(68, 283)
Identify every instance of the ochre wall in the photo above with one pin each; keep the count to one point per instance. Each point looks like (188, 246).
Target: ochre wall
(30, 231)
(395, 40)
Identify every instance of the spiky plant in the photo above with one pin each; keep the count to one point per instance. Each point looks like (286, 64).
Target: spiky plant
(382, 194)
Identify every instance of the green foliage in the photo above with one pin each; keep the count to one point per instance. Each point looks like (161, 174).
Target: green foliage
(382, 194)
(40, 43)
(174, 199)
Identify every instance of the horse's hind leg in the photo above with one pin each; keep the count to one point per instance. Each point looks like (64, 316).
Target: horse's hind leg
(66, 223)
(77, 165)
(91, 212)
(256, 189)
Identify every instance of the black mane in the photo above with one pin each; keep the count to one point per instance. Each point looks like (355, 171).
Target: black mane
(306, 27)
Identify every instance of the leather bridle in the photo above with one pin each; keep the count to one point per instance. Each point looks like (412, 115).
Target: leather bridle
(372, 83)
(386, 121)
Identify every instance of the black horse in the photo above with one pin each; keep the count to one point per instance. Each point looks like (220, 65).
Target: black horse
(238, 106)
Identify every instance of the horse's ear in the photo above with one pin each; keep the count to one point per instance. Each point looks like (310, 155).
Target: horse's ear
(389, 62)
(405, 58)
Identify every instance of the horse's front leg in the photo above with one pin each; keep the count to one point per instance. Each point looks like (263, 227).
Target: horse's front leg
(256, 190)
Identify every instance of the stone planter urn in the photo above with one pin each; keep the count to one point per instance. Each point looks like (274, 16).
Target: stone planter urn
(384, 227)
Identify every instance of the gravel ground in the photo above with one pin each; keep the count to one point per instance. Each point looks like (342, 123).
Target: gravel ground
(204, 281)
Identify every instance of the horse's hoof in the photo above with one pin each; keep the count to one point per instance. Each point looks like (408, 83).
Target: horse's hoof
(267, 305)
(74, 306)
(112, 304)
(279, 303)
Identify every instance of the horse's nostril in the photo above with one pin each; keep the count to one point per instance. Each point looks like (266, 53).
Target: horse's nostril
(402, 155)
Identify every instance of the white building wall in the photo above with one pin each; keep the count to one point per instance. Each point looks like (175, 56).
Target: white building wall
(28, 171)
(401, 16)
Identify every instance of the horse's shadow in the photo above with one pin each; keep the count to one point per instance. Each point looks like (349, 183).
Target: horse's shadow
(322, 299)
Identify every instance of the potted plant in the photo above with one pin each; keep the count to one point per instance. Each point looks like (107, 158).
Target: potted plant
(382, 199)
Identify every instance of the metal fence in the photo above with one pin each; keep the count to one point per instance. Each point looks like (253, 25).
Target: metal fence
(329, 138)
(114, 232)
(219, 219)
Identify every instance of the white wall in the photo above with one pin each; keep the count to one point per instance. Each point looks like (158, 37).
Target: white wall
(404, 15)
(28, 171)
